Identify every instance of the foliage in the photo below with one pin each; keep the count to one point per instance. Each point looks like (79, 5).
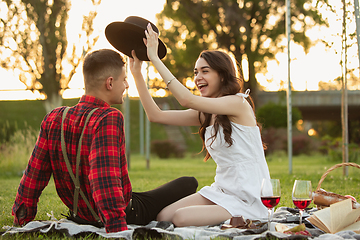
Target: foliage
(332, 129)
(276, 141)
(302, 144)
(332, 148)
(275, 115)
(15, 153)
(327, 129)
(354, 131)
(166, 149)
(328, 143)
(249, 30)
(7, 129)
(345, 13)
(27, 114)
(34, 44)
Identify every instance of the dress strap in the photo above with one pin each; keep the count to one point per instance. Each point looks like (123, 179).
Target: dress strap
(244, 95)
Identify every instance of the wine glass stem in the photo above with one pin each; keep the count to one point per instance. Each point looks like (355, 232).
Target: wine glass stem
(300, 213)
(269, 215)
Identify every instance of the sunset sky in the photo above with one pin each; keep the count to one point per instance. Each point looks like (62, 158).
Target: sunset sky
(307, 70)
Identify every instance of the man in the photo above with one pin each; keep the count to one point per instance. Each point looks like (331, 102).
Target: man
(93, 150)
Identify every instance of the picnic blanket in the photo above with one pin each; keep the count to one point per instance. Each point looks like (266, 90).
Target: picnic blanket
(162, 230)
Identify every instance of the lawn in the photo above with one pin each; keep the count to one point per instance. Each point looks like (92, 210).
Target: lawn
(161, 171)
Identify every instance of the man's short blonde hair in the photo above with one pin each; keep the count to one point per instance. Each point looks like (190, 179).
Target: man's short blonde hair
(100, 65)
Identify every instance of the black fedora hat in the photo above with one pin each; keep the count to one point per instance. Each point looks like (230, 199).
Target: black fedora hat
(128, 35)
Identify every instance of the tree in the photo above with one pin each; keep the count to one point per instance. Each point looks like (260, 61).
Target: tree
(274, 115)
(251, 30)
(34, 43)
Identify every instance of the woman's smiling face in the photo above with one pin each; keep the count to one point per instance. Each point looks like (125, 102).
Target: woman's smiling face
(207, 80)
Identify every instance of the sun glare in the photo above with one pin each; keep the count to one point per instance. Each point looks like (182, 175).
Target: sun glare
(190, 84)
(306, 70)
(167, 24)
(312, 132)
(160, 93)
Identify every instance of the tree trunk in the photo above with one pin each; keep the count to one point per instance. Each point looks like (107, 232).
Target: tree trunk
(252, 83)
(53, 101)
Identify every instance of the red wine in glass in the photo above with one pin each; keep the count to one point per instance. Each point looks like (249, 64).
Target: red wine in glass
(270, 202)
(270, 195)
(301, 195)
(302, 203)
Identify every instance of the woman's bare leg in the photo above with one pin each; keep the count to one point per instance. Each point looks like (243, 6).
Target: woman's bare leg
(167, 213)
(200, 215)
(193, 210)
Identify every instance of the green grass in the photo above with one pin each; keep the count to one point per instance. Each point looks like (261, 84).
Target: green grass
(162, 171)
(312, 168)
(27, 115)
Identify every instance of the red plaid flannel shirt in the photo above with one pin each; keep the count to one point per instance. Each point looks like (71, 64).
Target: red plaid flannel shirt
(103, 170)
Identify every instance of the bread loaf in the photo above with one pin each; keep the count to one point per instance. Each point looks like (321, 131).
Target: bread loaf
(323, 199)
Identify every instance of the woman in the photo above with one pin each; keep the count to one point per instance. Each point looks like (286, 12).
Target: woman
(229, 131)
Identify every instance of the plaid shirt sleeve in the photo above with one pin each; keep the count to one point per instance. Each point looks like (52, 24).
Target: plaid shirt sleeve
(109, 181)
(34, 180)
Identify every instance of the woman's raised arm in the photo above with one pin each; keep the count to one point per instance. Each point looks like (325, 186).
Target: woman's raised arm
(154, 113)
(233, 106)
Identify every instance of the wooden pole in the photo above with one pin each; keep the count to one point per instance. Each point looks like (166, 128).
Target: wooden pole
(344, 96)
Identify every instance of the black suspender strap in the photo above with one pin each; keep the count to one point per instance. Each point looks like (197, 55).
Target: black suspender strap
(76, 179)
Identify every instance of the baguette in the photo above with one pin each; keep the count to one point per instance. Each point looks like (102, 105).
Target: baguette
(323, 199)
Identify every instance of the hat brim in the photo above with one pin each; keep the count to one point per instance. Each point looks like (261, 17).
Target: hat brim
(126, 37)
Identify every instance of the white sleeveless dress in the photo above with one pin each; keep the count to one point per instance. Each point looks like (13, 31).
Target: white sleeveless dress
(240, 170)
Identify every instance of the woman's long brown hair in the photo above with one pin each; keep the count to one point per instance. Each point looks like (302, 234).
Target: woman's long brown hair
(230, 85)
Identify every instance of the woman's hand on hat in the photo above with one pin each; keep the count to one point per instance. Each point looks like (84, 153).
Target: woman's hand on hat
(151, 43)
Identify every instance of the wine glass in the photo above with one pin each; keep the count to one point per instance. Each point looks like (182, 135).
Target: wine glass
(270, 195)
(302, 195)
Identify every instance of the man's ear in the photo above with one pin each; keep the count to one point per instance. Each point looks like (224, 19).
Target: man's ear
(109, 83)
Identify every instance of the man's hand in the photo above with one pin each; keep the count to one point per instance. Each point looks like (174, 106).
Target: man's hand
(135, 64)
(20, 216)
